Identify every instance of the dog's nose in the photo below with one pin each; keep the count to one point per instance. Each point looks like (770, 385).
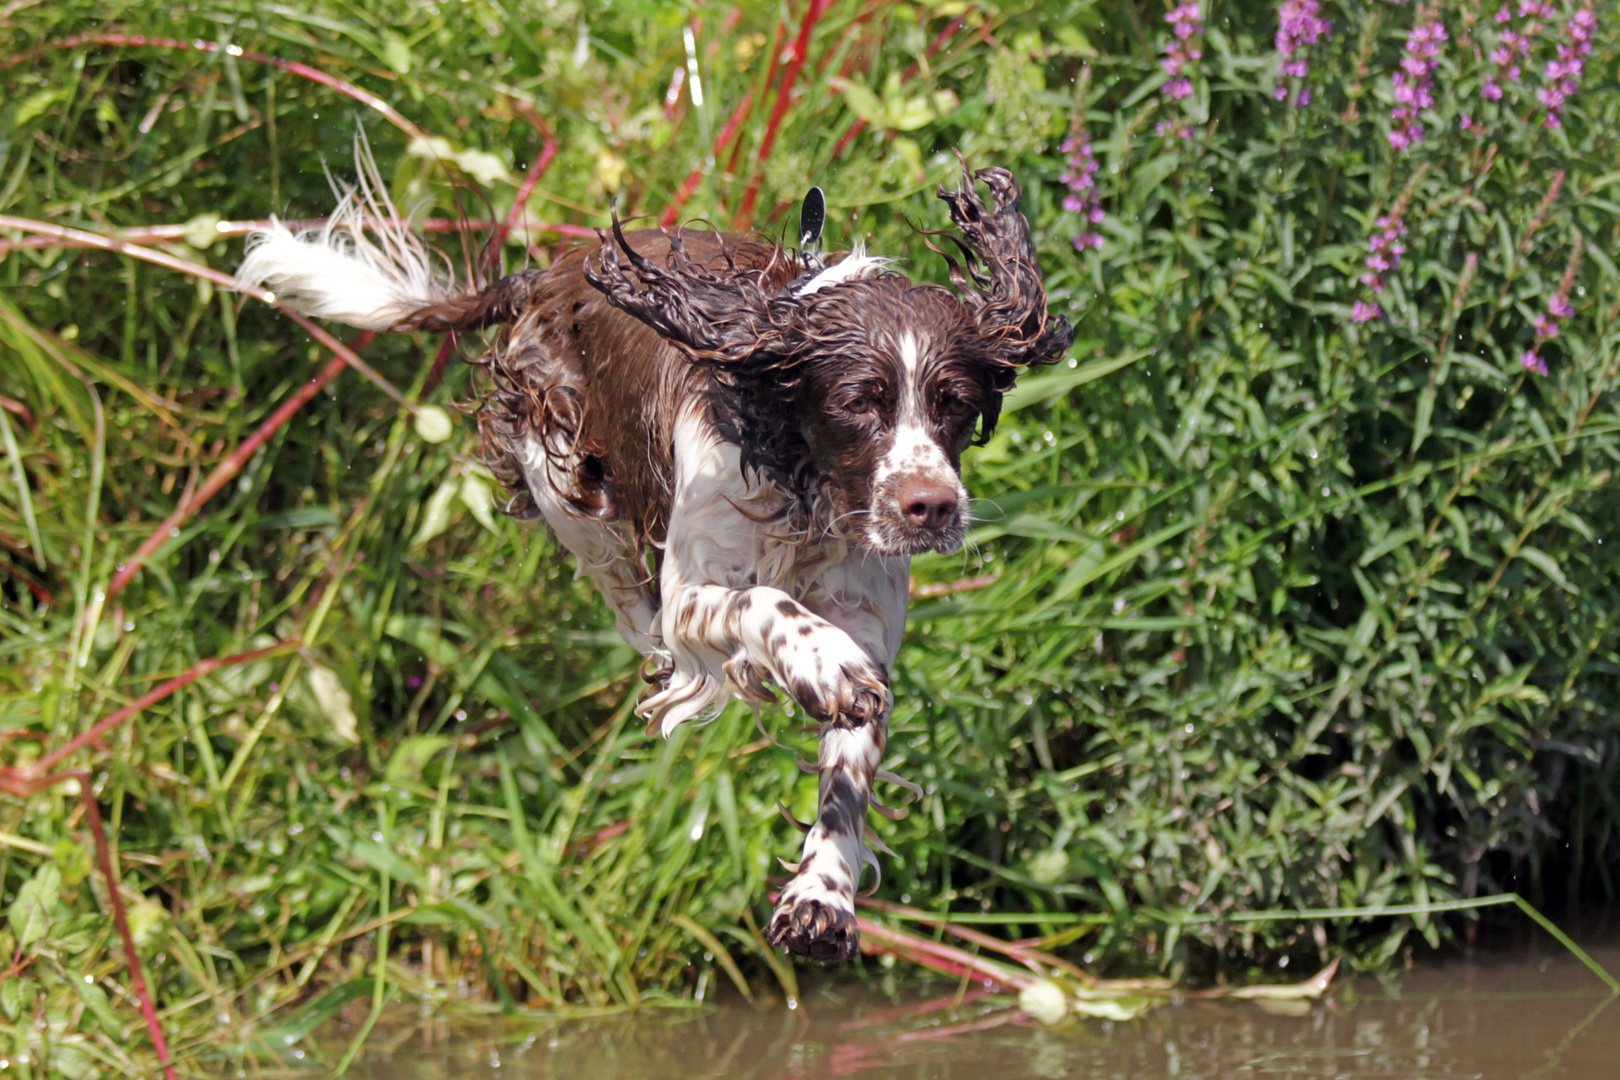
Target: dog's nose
(927, 504)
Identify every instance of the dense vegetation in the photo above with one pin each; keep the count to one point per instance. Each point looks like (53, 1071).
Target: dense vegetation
(1295, 587)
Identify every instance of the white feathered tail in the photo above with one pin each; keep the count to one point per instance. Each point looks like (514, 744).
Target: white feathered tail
(363, 268)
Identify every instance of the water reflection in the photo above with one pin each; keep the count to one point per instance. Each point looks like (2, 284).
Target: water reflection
(1536, 1018)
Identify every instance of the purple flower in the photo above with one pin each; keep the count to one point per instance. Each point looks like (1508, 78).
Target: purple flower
(1414, 84)
(1081, 180)
(1558, 307)
(1186, 23)
(1562, 77)
(1384, 251)
(1298, 28)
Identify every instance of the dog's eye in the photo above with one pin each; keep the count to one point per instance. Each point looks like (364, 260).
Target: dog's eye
(858, 405)
(955, 406)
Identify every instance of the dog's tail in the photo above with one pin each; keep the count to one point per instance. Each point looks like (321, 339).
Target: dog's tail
(366, 268)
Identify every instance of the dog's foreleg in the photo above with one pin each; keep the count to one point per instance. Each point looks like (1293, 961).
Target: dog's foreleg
(864, 599)
(815, 915)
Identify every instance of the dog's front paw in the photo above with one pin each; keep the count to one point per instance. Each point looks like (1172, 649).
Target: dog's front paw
(838, 683)
(814, 923)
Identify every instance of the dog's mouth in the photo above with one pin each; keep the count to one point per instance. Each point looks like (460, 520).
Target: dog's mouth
(886, 541)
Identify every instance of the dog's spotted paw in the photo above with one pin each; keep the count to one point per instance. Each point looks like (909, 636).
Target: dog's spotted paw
(815, 927)
(837, 682)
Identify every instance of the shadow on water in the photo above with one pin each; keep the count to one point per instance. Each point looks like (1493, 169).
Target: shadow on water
(1540, 1017)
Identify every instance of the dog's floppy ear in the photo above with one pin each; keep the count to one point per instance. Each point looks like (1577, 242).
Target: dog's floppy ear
(718, 317)
(1001, 281)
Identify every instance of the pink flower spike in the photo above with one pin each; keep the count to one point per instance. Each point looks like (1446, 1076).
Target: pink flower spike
(1532, 361)
(1362, 312)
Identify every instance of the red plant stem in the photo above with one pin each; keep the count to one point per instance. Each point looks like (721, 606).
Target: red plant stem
(548, 151)
(137, 978)
(225, 471)
(784, 98)
(157, 234)
(695, 177)
(146, 700)
(1022, 951)
(365, 97)
(770, 80)
(440, 360)
(933, 954)
(232, 465)
(850, 59)
(67, 237)
(934, 1034)
(938, 43)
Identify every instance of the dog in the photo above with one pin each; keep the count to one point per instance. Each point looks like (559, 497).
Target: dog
(741, 444)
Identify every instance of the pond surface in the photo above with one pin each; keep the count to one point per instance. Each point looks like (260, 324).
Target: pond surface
(1539, 1016)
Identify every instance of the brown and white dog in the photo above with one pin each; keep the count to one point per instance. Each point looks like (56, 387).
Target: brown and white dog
(742, 446)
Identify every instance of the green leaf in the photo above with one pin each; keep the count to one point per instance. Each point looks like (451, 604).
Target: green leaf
(433, 424)
(95, 1000)
(412, 755)
(77, 934)
(478, 165)
(476, 495)
(397, 54)
(72, 861)
(31, 912)
(17, 993)
(36, 103)
(311, 1016)
(1043, 387)
(861, 101)
(1547, 565)
(335, 703)
(436, 516)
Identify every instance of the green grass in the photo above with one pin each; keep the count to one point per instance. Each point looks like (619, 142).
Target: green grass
(1267, 611)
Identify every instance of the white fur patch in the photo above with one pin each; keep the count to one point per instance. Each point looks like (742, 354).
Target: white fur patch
(362, 268)
(852, 267)
(909, 354)
(602, 550)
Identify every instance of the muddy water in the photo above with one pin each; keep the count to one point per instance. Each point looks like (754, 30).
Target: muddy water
(1539, 1016)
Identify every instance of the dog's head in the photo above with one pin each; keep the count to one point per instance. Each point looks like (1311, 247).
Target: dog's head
(855, 384)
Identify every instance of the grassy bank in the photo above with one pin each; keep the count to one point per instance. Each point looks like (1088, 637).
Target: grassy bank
(1294, 587)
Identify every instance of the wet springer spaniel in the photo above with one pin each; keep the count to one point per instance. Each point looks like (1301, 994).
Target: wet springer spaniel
(742, 445)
